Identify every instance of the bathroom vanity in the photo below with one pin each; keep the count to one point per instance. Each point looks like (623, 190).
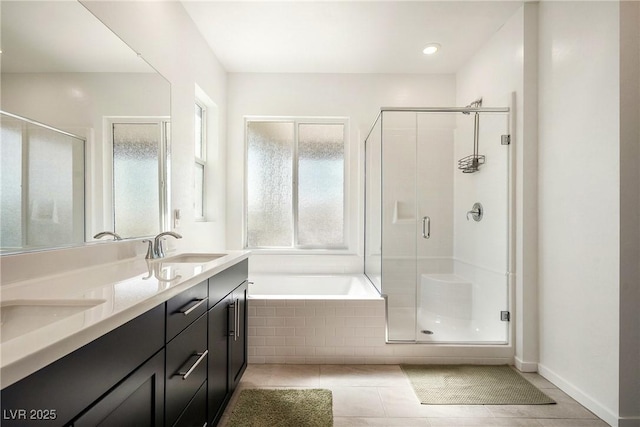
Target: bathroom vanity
(166, 346)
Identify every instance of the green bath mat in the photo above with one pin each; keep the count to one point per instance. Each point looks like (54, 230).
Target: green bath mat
(283, 408)
(472, 385)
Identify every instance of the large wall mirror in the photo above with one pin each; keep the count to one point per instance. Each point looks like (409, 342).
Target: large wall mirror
(85, 131)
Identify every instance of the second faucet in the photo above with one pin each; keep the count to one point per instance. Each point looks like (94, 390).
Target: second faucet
(155, 249)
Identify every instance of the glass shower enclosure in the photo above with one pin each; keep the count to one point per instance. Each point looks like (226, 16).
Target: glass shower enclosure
(437, 222)
(42, 190)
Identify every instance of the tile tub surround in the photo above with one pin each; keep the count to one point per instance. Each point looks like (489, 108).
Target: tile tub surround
(298, 331)
(380, 395)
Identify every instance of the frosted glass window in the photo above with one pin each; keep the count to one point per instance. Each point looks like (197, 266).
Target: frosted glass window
(199, 132)
(136, 194)
(321, 185)
(269, 184)
(295, 184)
(199, 191)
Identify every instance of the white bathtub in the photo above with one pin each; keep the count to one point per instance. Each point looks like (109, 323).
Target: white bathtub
(311, 286)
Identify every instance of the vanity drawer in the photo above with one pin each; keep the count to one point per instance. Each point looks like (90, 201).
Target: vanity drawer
(185, 308)
(186, 368)
(196, 413)
(226, 281)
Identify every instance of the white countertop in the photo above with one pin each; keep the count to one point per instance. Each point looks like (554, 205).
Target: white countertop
(124, 290)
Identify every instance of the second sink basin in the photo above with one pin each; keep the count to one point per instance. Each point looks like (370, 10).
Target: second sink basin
(192, 258)
(18, 317)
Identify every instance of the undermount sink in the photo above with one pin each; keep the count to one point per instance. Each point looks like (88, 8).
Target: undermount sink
(18, 317)
(192, 258)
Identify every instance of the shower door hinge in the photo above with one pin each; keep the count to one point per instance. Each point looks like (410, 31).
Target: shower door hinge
(505, 139)
(505, 316)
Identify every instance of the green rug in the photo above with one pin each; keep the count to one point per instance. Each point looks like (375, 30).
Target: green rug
(472, 385)
(283, 408)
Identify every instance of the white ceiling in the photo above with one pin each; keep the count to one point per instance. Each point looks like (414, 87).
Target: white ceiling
(346, 36)
(61, 36)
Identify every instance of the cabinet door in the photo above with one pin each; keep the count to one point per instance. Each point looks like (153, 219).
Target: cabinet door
(137, 401)
(218, 383)
(238, 341)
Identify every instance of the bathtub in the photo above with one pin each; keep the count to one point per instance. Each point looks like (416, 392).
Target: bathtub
(311, 286)
(314, 318)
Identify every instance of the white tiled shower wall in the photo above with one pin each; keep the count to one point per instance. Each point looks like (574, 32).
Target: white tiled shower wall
(342, 332)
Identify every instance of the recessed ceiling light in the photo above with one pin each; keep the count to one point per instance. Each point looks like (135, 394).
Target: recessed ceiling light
(431, 48)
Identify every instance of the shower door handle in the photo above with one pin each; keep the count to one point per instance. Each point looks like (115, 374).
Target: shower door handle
(426, 227)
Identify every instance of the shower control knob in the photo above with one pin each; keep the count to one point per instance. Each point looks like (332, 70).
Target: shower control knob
(476, 212)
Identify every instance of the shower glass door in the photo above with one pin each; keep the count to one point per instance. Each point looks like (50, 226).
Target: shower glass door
(399, 223)
(445, 274)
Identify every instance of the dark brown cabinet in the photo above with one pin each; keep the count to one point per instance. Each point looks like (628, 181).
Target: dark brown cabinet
(187, 353)
(135, 402)
(186, 368)
(227, 336)
(238, 335)
(59, 393)
(217, 381)
(185, 308)
(195, 415)
(175, 365)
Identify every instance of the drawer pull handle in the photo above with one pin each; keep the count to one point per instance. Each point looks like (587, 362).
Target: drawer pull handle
(185, 375)
(187, 311)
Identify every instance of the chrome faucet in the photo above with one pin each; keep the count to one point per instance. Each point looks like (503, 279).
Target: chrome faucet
(107, 233)
(155, 249)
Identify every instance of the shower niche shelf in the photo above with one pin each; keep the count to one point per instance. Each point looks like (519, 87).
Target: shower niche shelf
(403, 213)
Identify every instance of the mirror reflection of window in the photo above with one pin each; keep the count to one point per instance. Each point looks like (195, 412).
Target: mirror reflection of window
(137, 168)
(42, 185)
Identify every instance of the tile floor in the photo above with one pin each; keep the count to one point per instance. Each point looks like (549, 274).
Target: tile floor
(380, 395)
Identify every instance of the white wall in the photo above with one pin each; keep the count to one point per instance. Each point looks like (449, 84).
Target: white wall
(167, 38)
(579, 203)
(498, 73)
(357, 96)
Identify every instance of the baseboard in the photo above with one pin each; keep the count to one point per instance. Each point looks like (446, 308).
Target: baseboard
(523, 366)
(581, 397)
